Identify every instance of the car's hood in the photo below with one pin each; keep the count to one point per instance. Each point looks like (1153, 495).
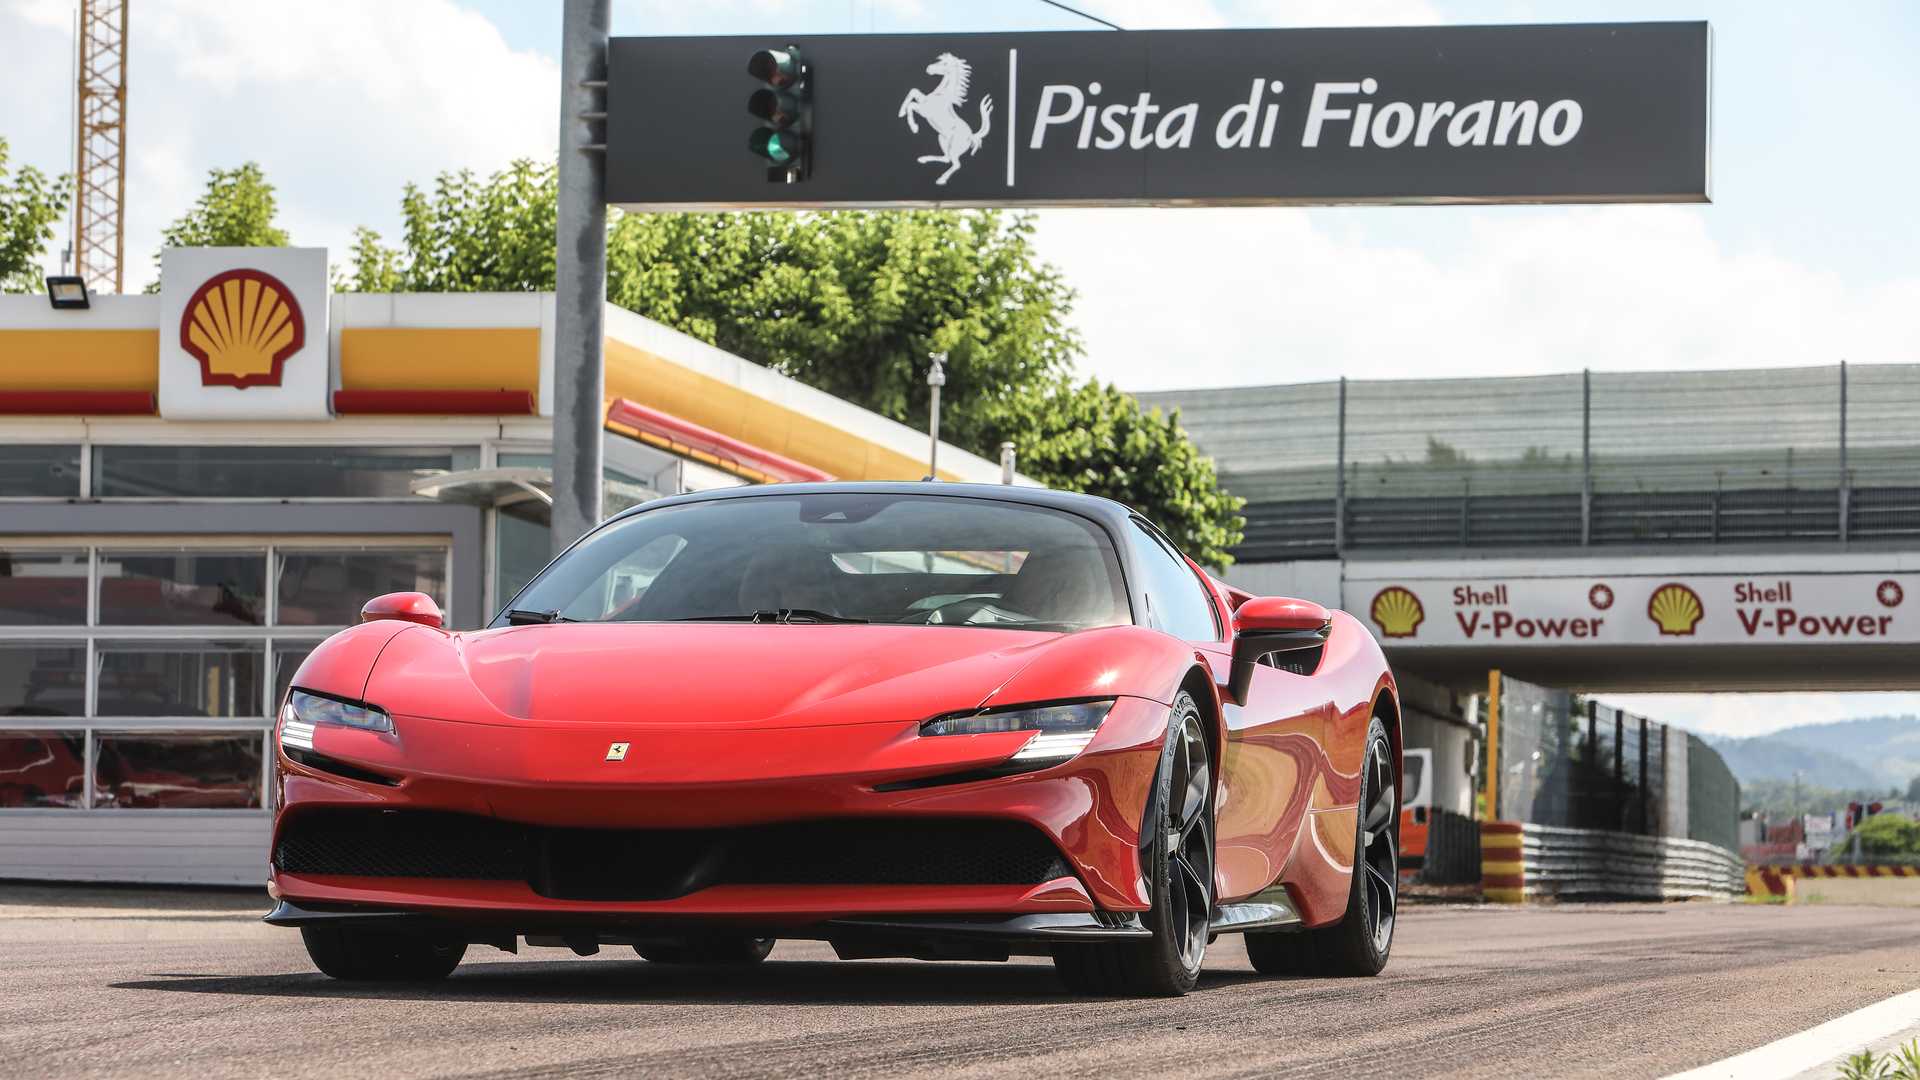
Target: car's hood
(699, 674)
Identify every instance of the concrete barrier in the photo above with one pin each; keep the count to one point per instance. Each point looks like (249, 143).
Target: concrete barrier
(1521, 861)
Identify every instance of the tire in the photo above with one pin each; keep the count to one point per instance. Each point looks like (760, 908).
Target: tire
(719, 951)
(380, 956)
(1359, 943)
(1179, 857)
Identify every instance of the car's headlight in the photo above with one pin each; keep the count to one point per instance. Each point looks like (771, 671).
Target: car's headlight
(1059, 731)
(304, 710)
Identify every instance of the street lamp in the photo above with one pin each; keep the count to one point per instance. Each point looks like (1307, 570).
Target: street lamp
(936, 378)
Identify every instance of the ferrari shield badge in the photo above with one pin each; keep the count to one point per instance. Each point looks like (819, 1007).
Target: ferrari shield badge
(617, 752)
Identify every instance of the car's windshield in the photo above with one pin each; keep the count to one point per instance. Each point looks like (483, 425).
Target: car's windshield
(883, 558)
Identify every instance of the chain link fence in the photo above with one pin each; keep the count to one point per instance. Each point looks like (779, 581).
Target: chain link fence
(1784, 454)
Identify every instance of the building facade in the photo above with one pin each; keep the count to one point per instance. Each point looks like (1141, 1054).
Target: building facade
(197, 487)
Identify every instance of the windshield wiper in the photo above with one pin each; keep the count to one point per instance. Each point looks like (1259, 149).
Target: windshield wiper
(520, 617)
(781, 615)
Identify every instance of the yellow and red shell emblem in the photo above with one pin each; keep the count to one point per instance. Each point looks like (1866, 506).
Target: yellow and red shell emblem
(1675, 609)
(1397, 612)
(242, 325)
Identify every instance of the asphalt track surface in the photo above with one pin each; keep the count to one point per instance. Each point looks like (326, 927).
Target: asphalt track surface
(100, 983)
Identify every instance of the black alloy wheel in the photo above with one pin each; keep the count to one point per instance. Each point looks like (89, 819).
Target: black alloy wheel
(1360, 943)
(1177, 853)
(1380, 843)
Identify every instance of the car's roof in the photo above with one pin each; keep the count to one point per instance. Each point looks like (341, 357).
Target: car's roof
(1092, 506)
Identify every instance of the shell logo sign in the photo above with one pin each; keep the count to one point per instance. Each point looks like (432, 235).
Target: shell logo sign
(1397, 612)
(1663, 610)
(244, 334)
(1675, 609)
(241, 326)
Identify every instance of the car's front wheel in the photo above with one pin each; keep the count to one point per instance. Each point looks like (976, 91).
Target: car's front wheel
(344, 952)
(1178, 852)
(1360, 943)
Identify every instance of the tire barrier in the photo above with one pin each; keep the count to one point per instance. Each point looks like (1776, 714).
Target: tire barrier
(1522, 861)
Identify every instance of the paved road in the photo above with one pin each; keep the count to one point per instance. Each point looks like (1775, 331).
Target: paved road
(179, 985)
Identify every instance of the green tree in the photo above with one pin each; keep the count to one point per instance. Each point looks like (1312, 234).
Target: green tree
(1884, 834)
(30, 202)
(236, 210)
(852, 303)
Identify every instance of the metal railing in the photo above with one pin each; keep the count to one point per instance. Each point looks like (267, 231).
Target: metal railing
(1825, 455)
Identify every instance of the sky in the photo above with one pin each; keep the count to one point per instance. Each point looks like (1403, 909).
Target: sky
(1803, 257)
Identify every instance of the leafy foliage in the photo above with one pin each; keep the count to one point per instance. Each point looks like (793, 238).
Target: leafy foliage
(30, 202)
(236, 210)
(852, 303)
(1884, 834)
(1901, 1063)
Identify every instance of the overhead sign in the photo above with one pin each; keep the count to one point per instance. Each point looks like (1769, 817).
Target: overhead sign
(1571, 113)
(244, 334)
(1640, 610)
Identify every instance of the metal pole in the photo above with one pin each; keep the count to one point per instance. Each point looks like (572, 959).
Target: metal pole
(1006, 462)
(1340, 475)
(580, 278)
(1846, 481)
(936, 378)
(1586, 456)
(1493, 742)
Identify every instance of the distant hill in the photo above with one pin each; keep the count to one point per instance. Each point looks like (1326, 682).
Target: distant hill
(1874, 752)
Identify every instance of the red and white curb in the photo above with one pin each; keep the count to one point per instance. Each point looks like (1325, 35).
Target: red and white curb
(1829, 1043)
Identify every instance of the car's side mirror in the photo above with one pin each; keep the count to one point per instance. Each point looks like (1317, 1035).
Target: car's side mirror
(413, 607)
(1266, 625)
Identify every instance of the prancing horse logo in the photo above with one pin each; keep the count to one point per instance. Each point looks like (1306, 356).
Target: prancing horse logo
(617, 752)
(940, 108)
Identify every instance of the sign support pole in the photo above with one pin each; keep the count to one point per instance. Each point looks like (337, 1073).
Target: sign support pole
(580, 277)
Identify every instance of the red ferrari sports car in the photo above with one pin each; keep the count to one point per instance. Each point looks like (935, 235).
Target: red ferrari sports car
(912, 720)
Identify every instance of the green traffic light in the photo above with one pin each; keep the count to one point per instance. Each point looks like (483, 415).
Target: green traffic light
(779, 147)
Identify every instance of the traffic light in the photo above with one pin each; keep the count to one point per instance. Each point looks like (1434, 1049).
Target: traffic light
(785, 108)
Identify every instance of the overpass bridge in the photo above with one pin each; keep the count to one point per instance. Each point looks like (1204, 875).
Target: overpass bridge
(1722, 530)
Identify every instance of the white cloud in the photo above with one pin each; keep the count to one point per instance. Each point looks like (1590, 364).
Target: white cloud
(341, 103)
(1246, 296)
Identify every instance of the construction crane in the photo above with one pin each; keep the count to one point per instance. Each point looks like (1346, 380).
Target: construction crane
(100, 166)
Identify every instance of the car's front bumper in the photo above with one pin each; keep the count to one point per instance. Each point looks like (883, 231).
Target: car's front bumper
(554, 777)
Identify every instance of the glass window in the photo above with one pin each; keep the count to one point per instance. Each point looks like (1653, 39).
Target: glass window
(1178, 601)
(180, 678)
(327, 588)
(734, 557)
(39, 471)
(162, 588)
(43, 588)
(240, 472)
(521, 546)
(287, 658)
(169, 771)
(42, 768)
(43, 680)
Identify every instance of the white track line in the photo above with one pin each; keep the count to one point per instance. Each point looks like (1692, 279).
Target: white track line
(1815, 1046)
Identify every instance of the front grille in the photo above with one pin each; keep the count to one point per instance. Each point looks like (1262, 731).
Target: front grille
(658, 864)
(369, 843)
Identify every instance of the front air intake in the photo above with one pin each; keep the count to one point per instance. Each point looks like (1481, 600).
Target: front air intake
(659, 864)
